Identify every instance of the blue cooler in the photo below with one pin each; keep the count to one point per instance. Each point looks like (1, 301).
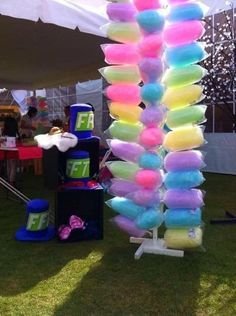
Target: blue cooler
(81, 120)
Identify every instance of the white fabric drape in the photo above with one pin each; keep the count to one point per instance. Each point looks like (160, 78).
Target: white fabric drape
(88, 16)
(220, 153)
(219, 5)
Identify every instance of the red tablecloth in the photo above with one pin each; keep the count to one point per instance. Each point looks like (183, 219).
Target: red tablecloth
(23, 153)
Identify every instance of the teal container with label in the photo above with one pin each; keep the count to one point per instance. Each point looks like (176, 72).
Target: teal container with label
(77, 165)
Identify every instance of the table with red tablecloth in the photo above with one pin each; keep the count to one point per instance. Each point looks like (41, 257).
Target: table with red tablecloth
(21, 152)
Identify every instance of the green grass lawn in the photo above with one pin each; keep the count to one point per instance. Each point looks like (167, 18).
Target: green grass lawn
(102, 277)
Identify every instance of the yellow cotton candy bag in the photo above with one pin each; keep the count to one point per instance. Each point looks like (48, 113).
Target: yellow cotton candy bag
(184, 138)
(183, 238)
(181, 97)
(125, 112)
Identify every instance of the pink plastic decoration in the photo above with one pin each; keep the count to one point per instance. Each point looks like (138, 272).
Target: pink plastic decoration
(142, 5)
(151, 137)
(76, 222)
(126, 93)
(64, 232)
(148, 179)
(121, 53)
(151, 46)
(183, 33)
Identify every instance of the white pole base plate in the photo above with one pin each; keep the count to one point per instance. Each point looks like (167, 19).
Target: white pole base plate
(154, 246)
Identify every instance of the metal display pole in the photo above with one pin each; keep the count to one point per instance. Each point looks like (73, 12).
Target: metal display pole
(13, 190)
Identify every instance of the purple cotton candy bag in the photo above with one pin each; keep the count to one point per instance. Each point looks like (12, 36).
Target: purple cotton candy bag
(176, 198)
(152, 116)
(145, 197)
(122, 187)
(183, 160)
(126, 151)
(128, 226)
(151, 69)
(121, 12)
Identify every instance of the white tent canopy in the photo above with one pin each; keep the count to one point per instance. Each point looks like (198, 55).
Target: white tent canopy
(87, 15)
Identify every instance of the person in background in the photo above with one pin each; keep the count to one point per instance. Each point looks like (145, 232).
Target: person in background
(66, 123)
(57, 123)
(31, 101)
(26, 124)
(10, 129)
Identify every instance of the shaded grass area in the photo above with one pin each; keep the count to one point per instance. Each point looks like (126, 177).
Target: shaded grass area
(102, 277)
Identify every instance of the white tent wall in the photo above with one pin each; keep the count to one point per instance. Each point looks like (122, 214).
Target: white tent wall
(221, 146)
(218, 5)
(220, 153)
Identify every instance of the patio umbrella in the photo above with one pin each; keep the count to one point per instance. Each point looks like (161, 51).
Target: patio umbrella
(47, 43)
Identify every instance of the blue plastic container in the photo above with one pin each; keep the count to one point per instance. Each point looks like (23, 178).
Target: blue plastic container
(81, 120)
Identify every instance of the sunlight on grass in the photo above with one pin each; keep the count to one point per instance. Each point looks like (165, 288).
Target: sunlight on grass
(54, 291)
(102, 277)
(217, 295)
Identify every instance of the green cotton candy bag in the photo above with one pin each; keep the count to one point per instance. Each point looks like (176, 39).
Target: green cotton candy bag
(194, 114)
(179, 77)
(121, 74)
(125, 131)
(123, 170)
(123, 32)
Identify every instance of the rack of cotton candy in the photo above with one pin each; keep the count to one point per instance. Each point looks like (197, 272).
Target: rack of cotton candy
(136, 134)
(182, 96)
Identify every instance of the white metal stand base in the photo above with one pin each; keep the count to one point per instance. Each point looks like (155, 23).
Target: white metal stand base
(155, 246)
